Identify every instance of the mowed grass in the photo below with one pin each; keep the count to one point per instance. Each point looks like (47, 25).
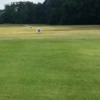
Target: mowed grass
(61, 63)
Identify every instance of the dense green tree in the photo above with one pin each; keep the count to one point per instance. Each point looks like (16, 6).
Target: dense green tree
(20, 12)
(1, 16)
(52, 12)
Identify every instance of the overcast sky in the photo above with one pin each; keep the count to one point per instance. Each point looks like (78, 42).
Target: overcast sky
(3, 2)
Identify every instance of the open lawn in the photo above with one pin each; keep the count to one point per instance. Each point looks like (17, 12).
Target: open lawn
(61, 63)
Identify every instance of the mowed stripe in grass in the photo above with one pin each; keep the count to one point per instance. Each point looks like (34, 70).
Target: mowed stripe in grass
(69, 32)
(50, 69)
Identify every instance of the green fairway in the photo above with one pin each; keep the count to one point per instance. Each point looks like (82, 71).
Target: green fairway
(61, 63)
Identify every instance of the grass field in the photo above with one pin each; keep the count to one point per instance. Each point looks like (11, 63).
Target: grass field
(61, 63)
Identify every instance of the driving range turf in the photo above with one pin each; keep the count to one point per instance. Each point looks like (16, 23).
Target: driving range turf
(61, 63)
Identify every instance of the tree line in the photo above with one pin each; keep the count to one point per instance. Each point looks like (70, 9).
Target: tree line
(57, 12)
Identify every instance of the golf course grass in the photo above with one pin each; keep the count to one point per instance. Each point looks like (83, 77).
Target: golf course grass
(61, 63)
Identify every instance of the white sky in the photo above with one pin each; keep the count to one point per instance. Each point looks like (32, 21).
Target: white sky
(3, 2)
